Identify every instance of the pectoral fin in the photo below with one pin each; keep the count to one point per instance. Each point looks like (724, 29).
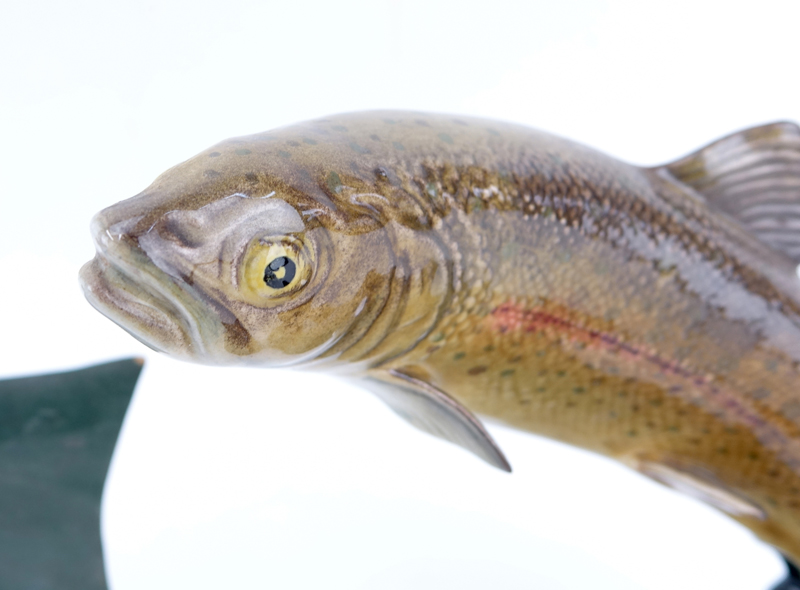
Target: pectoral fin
(433, 411)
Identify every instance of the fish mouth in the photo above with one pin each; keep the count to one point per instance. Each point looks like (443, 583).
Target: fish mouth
(125, 286)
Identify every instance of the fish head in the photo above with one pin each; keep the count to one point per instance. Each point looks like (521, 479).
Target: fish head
(260, 260)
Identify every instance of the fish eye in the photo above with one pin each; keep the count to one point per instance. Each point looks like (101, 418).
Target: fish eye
(274, 267)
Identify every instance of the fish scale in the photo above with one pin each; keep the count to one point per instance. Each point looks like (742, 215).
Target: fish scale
(457, 267)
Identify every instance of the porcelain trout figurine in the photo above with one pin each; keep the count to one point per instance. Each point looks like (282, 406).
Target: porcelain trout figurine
(460, 267)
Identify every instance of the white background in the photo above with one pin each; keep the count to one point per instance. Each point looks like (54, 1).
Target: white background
(254, 479)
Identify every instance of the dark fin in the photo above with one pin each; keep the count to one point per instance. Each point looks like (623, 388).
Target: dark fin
(792, 579)
(433, 411)
(754, 176)
(57, 434)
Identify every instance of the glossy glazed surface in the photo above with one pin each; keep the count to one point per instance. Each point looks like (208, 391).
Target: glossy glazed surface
(529, 278)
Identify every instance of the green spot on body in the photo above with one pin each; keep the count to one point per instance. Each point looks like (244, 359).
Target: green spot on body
(213, 154)
(488, 348)
(334, 183)
(631, 433)
(445, 138)
(284, 154)
(474, 204)
(578, 390)
(309, 141)
(560, 373)
(438, 336)
(398, 146)
(358, 148)
(242, 152)
(507, 373)
(541, 389)
(509, 250)
(459, 355)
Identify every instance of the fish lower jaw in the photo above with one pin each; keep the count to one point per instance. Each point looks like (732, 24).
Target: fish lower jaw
(148, 317)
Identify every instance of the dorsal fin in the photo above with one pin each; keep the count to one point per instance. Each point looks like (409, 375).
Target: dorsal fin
(754, 176)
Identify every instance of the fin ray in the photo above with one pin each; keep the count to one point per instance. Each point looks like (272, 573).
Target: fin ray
(433, 411)
(754, 176)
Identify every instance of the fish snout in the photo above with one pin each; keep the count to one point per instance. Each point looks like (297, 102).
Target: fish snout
(110, 235)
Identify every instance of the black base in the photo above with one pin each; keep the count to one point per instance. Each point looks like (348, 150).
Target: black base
(792, 581)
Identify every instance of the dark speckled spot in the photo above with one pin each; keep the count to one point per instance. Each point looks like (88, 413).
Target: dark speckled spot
(340, 128)
(477, 370)
(358, 148)
(210, 173)
(578, 390)
(760, 393)
(374, 137)
(334, 183)
(459, 355)
(507, 373)
(631, 433)
(421, 122)
(791, 410)
(381, 173)
(445, 138)
(460, 122)
(309, 141)
(242, 152)
(389, 121)
(250, 177)
(284, 154)
(492, 131)
(398, 146)
(293, 144)
(213, 155)
(437, 337)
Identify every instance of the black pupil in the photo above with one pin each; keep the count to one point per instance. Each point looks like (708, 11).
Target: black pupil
(279, 272)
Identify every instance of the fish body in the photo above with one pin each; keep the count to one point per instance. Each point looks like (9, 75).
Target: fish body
(456, 267)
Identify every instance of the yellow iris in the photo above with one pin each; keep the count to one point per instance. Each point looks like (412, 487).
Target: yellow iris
(274, 267)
